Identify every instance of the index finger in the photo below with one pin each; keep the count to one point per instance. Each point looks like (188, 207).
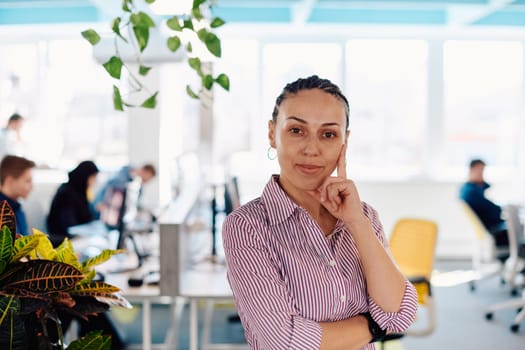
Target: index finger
(341, 163)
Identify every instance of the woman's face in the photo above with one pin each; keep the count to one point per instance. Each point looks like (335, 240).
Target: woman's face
(309, 134)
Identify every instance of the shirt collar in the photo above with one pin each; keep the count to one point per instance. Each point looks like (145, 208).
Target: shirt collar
(279, 207)
(14, 204)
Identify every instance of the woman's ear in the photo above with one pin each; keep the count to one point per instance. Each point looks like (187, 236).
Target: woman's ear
(271, 133)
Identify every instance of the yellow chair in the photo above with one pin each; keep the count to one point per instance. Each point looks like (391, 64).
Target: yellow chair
(487, 259)
(413, 244)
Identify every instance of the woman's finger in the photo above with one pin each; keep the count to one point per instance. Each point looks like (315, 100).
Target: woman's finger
(341, 163)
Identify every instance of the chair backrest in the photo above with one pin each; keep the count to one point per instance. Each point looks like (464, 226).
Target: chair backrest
(413, 245)
(514, 228)
(479, 229)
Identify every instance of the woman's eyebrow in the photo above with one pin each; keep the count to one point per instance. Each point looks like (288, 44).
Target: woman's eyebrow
(300, 120)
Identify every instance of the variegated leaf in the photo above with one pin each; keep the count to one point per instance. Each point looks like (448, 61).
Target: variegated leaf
(93, 288)
(7, 217)
(12, 332)
(88, 277)
(6, 247)
(45, 248)
(23, 247)
(66, 254)
(99, 259)
(114, 299)
(92, 341)
(44, 276)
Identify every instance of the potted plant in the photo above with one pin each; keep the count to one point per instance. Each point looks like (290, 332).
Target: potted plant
(38, 283)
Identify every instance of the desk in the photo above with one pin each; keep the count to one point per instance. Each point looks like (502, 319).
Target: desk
(208, 284)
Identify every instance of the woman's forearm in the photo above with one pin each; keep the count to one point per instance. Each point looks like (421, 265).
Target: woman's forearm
(348, 334)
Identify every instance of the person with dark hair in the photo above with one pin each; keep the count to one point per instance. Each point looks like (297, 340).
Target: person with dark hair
(308, 261)
(16, 181)
(473, 193)
(11, 141)
(70, 204)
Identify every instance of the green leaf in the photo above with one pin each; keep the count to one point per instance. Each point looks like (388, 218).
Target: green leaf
(104, 256)
(189, 48)
(125, 6)
(115, 27)
(23, 246)
(213, 44)
(197, 3)
(195, 63)
(216, 22)
(173, 23)
(173, 43)
(93, 288)
(114, 66)
(44, 248)
(202, 34)
(151, 101)
(197, 14)
(142, 35)
(66, 254)
(117, 99)
(142, 19)
(91, 36)
(94, 340)
(143, 70)
(6, 247)
(150, 1)
(223, 80)
(12, 331)
(188, 24)
(207, 81)
(190, 93)
(7, 218)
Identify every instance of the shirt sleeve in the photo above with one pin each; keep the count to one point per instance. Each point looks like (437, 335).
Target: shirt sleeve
(393, 321)
(262, 301)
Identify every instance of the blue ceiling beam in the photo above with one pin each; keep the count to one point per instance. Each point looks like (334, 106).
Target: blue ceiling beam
(504, 17)
(378, 16)
(48, 15)
(406, 2)
(253, 14)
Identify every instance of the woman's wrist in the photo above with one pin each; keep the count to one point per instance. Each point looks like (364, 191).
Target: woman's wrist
(358, 224)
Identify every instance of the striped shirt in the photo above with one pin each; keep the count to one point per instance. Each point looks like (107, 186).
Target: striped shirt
(287, 276)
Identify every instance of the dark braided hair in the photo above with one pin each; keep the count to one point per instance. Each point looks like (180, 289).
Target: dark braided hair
(312, 82)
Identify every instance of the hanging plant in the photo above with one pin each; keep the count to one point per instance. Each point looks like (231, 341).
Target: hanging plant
(133, 27)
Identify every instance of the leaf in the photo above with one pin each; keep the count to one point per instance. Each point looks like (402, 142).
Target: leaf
(202, 34)
(23, 246)
(44, 249)
(104, 256)
(197, 14)
(117, 99)
(190, 93)
(151, 101)
(6, 247)
(195, 63)
(143, 70)
(66, 254)
(114, 66)
(188, 24)
(12, 330)
(141, 19)
(207, 81)
(94, 288)
(114, 299)
(88, 305)
(94, 340)
(223, 80)
(189, 48)
(150, 1)
(91, 36)
(216, 22)
(115, 27)
(173, 23)
(142, 35)
(7, 218)
(213, 44)
(125, 6)
(173, 43)
(43, 276)
(197, 3)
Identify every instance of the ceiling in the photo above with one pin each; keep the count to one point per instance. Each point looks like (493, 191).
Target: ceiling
(440, 13)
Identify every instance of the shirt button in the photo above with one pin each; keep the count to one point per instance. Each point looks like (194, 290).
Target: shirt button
(343, 298)
(331, 263)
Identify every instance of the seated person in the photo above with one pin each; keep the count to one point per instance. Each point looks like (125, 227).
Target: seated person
(16, 181)
(473, 193)
(120, 182)
(70, 205)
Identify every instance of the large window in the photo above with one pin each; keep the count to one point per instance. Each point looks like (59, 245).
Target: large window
(483, 89)
(387, 89)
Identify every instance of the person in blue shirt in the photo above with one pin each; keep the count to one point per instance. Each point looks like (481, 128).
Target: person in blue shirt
(473, 193)
(16, 181)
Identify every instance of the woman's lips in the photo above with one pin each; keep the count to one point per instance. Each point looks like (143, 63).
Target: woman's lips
(309, 169)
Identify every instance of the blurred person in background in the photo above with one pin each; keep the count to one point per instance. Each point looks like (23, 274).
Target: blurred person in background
(11, 141)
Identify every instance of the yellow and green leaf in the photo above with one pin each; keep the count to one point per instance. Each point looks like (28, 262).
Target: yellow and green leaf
(99, 259)
(44, 249)
(6, 247)
(66, 254)
(93, 288)
(24, 246)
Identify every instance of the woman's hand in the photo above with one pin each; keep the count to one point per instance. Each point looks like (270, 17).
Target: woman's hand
(339, 195)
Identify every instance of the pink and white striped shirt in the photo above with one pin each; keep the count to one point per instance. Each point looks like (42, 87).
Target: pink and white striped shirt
(287, 276)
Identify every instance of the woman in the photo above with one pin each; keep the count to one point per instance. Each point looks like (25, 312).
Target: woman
(307, 261)
(70, 205)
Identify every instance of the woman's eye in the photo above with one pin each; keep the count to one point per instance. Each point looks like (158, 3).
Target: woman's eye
(330, 134)
(295, 130)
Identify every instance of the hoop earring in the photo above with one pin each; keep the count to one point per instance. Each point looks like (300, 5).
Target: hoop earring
(271, 155)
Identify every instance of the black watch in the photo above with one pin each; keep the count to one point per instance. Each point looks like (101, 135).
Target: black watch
(375, 330)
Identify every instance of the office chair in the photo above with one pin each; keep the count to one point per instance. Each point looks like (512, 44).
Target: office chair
(487, 258)
(514, 265)
(412, 244)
